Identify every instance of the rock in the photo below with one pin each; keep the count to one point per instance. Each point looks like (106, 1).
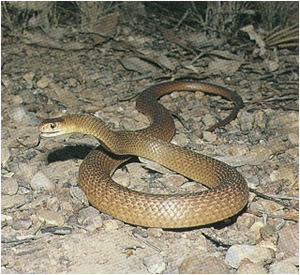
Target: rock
(155, 232)
(260, 119)
(154, 264)
(152, 165)
(53, 204)
(122, 177)
(209, 136)
(288, 242)
(40, 182)
(180, 140)
(203, 265)
(94, 224)
(5, 155)
(78, 196)
(29, 77)
(140, 231)
(17, 114)
(22, 224)
(27, 96)
(208, 120)
(51, 218)
(5, 218)
(256, 254)
(284, 122)
(66, 206)
(8, 201)
(90, 218)
(293, 138)
(245, 221)
(286, 172)
(9, 186)
(269, 207)
(250, 268)
(288, 266)
(21, 116)
(87, 213)
(269, 232)
(25, 171)
(43, 82)
(173, 180)
(246, 121)
(110, 225)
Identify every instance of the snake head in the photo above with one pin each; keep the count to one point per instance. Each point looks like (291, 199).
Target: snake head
(54, 127)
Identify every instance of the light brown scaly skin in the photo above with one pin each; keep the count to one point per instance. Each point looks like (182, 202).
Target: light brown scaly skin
(228, 193)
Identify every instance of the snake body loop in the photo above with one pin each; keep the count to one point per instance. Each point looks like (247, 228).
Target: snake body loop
(228, 193)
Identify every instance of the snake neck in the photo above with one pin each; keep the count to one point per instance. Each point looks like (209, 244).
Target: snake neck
(86, 124)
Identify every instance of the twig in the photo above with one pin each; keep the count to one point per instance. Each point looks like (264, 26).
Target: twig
(147, 243)
(276, 198)
(182, 19)
(17, 240)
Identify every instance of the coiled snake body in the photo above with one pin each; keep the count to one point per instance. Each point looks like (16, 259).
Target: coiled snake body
(228, 193)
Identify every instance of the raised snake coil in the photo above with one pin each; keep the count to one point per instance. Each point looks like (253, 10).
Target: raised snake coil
(228, 193)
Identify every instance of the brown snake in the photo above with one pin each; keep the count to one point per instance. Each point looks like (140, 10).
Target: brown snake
(228, 193)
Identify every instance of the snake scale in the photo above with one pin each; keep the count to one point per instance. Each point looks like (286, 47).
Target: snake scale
(227, 194)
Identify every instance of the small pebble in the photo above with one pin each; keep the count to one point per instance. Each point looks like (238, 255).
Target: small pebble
(245, 221)
(51, 218)
(288, 242)
(268, 231)
(27, 97)
(26, 171)
(40, 182)
(5, 218)
(8, 201)
(78, 196)
(94, 224)
(66, 206)
(260, 119)
(180, 140)
(155, 264)
(272, 65)
(250, 268)
(17, 114)
(246, 121)
(208, 120)
(140, 231)
(256, 254)
(173, 180)
(9, 186)
(288, 266)
(43, 82)
(5, 155)
(155, 232)
(53, 204)
(16, 100)
(29, 76)
(20, 115)
(294, 139)
(110, 225)
(209, 136)
(87, 213)
(90, 218)
(203, 265)
(122, 177)
(22, 224)
(285, 172)
(270, 207)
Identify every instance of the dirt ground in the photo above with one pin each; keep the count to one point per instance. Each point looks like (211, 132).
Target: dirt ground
(47, 223)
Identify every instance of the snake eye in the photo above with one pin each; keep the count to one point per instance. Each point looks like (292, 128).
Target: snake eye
(52, 125)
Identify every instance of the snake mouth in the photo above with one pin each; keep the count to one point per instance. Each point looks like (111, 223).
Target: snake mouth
(50, 134)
